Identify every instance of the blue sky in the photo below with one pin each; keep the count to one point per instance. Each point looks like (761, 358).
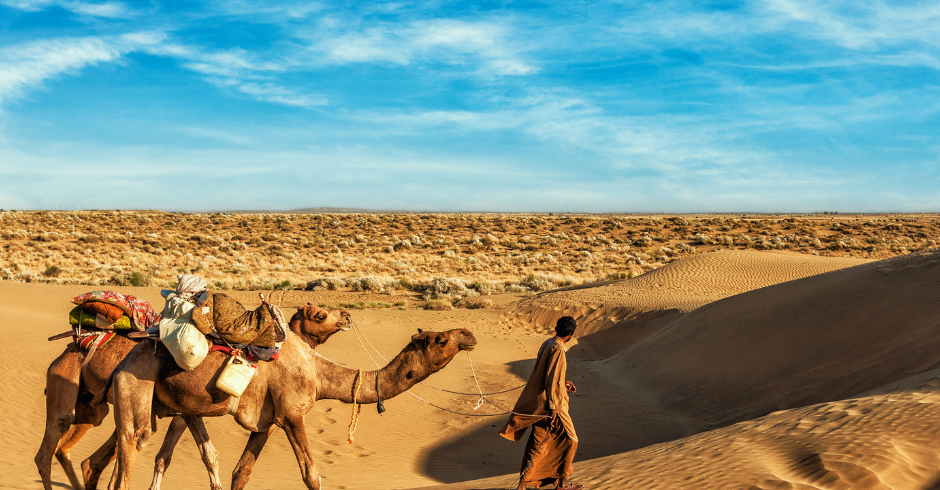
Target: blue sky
(764, 106)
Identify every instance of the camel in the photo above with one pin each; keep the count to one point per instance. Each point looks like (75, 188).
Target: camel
(149, 383)
(69, 415)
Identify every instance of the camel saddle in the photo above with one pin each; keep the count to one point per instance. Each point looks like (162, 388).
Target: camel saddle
(235, 325)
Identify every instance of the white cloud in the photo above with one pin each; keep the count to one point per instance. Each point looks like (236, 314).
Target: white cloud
(26, 66)
(106, 9)
(448, 41)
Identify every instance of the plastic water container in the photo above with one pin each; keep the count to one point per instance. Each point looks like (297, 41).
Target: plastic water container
(235, 376)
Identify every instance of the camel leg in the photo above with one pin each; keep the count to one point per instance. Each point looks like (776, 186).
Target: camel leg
(94, 465)
(133, 387)
(210, 456)
(162, 461)
(64, 451)
(297, 436)
(62, 380)
(242, 473)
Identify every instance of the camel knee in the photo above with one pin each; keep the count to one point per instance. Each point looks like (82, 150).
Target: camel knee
(141, 436)
(65, 421)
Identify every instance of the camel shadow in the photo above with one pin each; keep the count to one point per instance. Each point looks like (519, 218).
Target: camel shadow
(54, 484)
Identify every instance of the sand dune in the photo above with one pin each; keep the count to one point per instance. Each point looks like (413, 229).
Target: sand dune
(782, 377)
(811, 340)
(885, 440)
(629, 310)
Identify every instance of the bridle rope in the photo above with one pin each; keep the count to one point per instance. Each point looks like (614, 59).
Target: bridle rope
(360, 336)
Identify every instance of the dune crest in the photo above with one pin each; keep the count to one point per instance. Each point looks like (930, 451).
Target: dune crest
(664, 294)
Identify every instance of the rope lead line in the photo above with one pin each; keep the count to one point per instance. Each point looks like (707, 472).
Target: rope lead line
(354, 418)
(360, 336)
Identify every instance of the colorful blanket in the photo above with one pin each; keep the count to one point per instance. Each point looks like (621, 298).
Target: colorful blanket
(86, 342)
(141, 314)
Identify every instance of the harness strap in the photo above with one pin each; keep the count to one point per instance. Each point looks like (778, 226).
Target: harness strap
(99, 340)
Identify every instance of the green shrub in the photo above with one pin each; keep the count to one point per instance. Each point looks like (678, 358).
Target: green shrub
(52, 271)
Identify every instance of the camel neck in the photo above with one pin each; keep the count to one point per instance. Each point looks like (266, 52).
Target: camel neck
(338, 382)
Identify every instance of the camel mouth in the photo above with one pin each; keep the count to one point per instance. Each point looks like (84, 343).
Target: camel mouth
(344, 326)
(467, 346)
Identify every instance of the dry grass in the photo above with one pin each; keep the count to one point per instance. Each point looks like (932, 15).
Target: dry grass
(449, 256)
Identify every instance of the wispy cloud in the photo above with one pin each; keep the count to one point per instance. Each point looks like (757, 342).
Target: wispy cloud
(240, 70)
(103, 9)
(26, 66)
(448, 41)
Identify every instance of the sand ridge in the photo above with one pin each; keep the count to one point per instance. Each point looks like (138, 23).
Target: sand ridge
(646, 302)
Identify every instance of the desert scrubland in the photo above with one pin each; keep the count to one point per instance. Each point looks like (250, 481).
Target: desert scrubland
(766, 362)
(445, 256)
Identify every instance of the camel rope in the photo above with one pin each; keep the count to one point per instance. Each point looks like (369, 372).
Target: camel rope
(354, 417)
(360, 333)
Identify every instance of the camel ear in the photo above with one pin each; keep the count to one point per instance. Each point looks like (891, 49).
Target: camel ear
(419, 340)
(419, 330)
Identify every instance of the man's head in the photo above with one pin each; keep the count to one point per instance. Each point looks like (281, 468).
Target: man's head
(565, 326)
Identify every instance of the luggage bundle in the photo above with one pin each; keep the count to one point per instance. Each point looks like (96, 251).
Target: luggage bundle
(195, 322)
(108, 310)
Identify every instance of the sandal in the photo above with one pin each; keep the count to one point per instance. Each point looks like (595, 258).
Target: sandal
(570, 486)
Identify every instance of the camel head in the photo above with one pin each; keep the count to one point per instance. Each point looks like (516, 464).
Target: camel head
(438, 348)
(314, 325)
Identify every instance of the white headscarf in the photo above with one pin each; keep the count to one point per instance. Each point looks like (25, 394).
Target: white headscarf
(188, 285)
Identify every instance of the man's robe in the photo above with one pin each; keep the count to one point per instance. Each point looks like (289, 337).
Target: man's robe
(550, 450)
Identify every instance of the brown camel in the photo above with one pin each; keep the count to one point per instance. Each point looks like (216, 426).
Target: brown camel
(149, 383)
(69, 415)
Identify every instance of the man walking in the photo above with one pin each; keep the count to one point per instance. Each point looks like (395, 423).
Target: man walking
(549, 453)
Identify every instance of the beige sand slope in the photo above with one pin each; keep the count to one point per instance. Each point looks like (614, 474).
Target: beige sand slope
(816, 339)
(884, 440)
(632, 309)
(820, 340)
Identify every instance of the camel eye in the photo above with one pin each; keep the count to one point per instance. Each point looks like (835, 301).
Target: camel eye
(321, 316)
(441, 340)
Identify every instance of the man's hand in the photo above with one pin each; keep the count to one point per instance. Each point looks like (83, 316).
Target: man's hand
(554, 415)
(570, 387)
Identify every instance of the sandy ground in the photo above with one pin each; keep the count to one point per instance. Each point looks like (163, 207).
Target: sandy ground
(726, 370)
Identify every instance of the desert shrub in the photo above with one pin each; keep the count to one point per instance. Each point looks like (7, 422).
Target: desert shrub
(537, 283)
(447, 287)
(331, 283)
(440, 304)
(52, 271)
(485, 287)
(368, 283)
(130, 278)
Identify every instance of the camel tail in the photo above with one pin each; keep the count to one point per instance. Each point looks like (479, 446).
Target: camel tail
(102, 396)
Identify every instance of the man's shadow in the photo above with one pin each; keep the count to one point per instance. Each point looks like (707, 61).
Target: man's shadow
(602, 415)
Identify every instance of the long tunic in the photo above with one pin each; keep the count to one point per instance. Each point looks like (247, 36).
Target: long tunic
(544, 391)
